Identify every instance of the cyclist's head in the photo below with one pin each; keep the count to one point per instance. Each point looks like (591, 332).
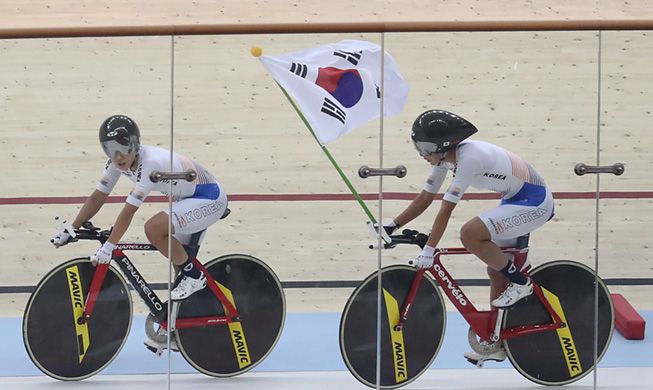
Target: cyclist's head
(118, 133)
(438, 131)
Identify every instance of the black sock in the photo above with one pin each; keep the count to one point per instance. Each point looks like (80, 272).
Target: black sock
(188, 269)
(511, 272)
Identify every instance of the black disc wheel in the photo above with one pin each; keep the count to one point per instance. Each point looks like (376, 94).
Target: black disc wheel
(404, 354)
(55, 341)
(232, 349)
(565, 355)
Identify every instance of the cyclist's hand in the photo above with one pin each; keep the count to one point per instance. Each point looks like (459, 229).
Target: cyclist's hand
(66, 234)
(389, 227)
(385, 233)
(425, 258)
(103, 255)
(60, 239)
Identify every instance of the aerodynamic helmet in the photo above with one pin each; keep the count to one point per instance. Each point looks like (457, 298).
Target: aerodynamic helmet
(118, 133)
(438, 131)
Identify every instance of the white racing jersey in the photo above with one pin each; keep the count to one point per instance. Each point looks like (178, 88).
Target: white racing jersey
(151, 158)
(486, 166)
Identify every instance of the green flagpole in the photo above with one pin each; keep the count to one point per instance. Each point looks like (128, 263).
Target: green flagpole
(324, 149)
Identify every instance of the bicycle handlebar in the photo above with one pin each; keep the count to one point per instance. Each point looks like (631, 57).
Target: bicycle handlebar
(407, 236)
(90, 232)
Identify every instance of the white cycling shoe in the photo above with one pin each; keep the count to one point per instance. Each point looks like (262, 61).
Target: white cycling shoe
(484, 351)
(513, 293)
(187, 287)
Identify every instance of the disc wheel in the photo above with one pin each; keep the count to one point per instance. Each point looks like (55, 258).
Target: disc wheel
(566, 355)
(405, 353)
(56, 343)
(232, 349)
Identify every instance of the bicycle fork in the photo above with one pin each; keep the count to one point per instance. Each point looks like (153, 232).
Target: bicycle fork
(409, 300)
(91, 298)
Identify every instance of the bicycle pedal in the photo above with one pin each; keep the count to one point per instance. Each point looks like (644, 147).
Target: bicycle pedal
(478, 363)
(156, 351)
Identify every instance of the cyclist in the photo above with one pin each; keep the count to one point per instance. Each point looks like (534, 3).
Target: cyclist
(198, 204)
(440, 137)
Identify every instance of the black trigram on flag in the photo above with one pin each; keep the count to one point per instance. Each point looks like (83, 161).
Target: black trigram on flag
(299, 69)
(352, 56)
(330, 108)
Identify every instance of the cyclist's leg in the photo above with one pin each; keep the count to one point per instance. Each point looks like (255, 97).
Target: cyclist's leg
(192, 215)
(189, 216)
(497, 283)
(511, 219)
(476, 237)
(514, 217)
(497, 280)
(156, 230)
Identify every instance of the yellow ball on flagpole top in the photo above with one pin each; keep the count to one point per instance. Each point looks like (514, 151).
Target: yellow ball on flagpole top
(256, 51)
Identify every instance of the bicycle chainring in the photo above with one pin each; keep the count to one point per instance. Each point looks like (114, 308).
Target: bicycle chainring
(481, 346)
(154, 331)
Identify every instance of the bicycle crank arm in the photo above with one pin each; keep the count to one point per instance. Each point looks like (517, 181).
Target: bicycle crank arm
(497, 326)
(172, 325)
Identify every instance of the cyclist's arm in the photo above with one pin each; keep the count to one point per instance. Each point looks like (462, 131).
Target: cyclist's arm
(424, 199)
(122, 223)
(421, 202)
(91, 206)
(97, 199)
(440, 223)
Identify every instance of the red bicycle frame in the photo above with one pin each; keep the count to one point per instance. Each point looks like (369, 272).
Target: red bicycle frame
(483, 323)
(157, 308)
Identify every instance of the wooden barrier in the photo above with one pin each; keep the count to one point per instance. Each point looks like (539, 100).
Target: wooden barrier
(312, 28)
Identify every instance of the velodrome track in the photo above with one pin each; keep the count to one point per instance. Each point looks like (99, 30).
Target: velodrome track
(536, 93)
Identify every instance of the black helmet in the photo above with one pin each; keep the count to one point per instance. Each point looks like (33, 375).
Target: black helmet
(438, 131)
(118, 133)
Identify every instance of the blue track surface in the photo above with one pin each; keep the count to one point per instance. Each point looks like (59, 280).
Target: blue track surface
(309, 343)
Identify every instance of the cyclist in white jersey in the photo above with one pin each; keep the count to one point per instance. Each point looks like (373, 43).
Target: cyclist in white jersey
(198, 204)
(526, 202)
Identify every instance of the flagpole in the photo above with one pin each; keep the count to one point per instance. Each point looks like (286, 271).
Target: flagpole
(326, 151)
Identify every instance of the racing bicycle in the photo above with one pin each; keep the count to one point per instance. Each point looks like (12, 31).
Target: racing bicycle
(79, 316)
(550, 337)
